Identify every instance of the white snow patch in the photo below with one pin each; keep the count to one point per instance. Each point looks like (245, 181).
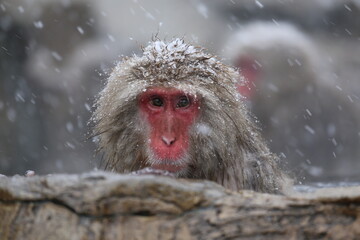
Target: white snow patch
(202, 9)
(257, 63)
(80, 30)
(290, 62)
(309, 129)
(276, 22)
(87, 107)
(59, 164)
(147, 13)
(333, 140)
(315, 171)
(29, 173)
(150, 16)
(111, 37)
(11, 114)
(203, 129)
(259, 4)
(347, 7)
(331, 129)
(69, 127)
(70, 145)
(298, 151)
(338, 87)
(57, 56)
(273, 87)
(38, 24)
(19, 96)
(21, 9)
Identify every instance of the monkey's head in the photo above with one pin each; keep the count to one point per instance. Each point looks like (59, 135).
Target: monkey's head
(274, 58)
(176, 108)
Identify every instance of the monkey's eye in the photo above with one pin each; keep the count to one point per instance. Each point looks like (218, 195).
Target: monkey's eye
(157, 102)
(183, 102)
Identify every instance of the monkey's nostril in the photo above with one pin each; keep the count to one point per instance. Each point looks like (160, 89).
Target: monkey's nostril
(168, 140)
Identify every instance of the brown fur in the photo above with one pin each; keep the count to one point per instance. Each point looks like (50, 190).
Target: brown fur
(225, 146)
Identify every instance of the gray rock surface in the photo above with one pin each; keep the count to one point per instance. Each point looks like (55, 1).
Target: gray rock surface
(100, 205)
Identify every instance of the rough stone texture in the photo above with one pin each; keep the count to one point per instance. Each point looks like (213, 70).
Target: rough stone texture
(101, 205)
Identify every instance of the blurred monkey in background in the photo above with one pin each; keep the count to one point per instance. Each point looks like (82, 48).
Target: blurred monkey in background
(307, 120)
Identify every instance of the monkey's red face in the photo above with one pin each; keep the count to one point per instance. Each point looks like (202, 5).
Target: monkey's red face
(250, 70)
(170, 113)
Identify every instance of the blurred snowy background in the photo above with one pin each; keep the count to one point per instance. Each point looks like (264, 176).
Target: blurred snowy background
(301, 60)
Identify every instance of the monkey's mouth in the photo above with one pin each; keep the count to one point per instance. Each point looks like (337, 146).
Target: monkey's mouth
(170, 165)
(168, 160)
(169, 168)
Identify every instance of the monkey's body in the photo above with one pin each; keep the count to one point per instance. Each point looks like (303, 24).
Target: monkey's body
(316, 132)
(220, 144)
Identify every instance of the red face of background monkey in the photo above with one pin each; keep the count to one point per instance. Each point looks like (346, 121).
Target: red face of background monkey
(250, 71)
(169, 113)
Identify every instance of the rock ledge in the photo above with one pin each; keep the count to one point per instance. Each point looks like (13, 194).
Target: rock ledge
(100, 205)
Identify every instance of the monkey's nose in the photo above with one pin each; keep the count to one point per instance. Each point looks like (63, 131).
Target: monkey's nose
(168, 140)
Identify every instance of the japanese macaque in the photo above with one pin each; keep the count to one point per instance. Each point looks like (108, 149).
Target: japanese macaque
(307, 119)
(175, 109)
